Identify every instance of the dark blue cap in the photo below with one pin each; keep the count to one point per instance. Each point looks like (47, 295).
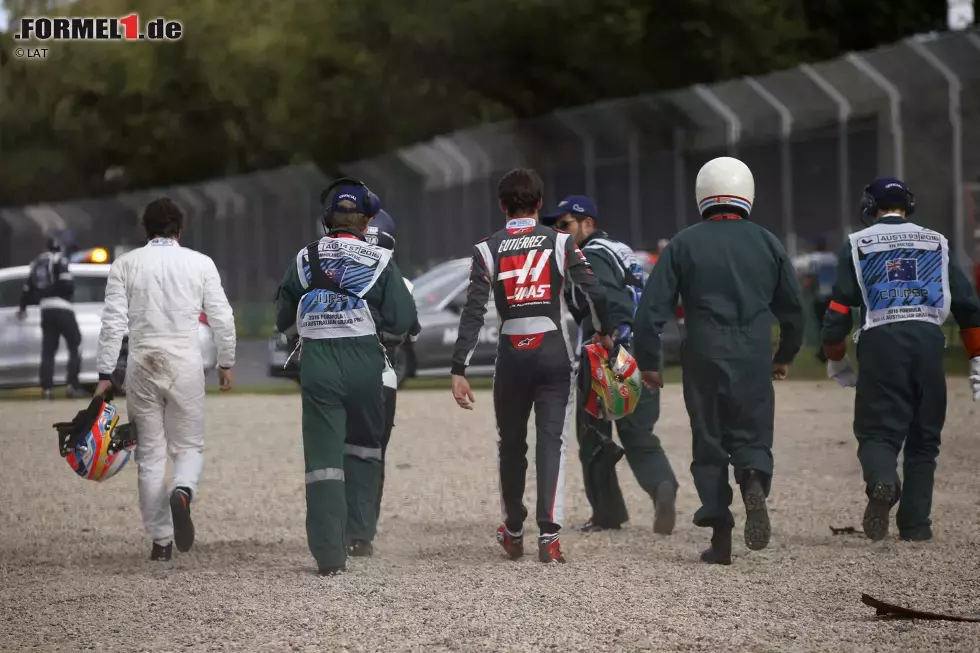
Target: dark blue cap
(889, 192)
(577, 205)
(357, 194)
(383, 222)
(381, 230)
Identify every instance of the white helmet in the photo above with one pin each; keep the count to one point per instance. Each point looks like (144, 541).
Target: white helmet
(725, 182)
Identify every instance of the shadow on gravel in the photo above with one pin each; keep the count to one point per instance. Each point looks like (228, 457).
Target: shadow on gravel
(248, 549)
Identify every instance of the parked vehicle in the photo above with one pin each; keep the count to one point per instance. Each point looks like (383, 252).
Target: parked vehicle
(440, 295)
(20, 340)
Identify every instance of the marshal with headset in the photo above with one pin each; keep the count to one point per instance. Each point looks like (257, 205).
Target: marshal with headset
(869, 205)
(367, 202)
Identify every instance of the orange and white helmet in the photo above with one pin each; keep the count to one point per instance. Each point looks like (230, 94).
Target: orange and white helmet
(94, 444)
(613, 386)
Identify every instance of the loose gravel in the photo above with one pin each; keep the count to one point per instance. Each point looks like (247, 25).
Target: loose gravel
(75, 574)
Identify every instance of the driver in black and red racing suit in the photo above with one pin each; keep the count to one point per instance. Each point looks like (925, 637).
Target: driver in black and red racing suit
(526, 266)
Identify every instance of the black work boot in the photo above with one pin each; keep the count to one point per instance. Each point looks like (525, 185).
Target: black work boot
(180, 510)
(758, 530)
(360, 549)
(664, 508)
(720, 551)
(876, 514)
(921, 535)
(592, 526)
(161, 553)
(331, 571)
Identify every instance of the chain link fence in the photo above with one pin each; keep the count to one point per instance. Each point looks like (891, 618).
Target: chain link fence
(813, 135)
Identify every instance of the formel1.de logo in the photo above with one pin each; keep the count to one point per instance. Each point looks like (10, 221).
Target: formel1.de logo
(125, 28)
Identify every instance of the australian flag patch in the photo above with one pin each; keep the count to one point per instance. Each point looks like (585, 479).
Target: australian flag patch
(903, 269)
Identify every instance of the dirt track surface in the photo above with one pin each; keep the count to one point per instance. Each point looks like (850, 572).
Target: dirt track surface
(74, 573)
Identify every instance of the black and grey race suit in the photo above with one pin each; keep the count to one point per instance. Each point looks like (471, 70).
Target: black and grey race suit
(525, 267)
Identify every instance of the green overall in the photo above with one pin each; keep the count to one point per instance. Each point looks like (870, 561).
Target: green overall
(643, 451)
(900, 398)
(341, 381)
(735, 281)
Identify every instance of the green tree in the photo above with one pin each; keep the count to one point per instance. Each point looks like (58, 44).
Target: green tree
(262, 83)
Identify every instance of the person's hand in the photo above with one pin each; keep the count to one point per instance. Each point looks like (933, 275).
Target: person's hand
(226, 378)
(842, 372)
(102, 388)
(975, 377)
(652, 380)
(462, 392)
(21, 314)
(605, 341)
(780, 371)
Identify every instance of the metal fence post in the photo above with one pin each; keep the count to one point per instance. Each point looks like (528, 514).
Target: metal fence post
(588, 151)
(895, 105)
(633, 155)
(786, 159)
(726, 113)
(679, 174)
(956, 123)
(843, 157)
(483, 171)
(454, 154)
(417, 158)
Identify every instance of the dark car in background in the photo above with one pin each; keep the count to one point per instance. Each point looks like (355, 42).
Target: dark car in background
(440, 294)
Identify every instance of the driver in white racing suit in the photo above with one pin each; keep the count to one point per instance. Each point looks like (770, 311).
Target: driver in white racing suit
(157, 294)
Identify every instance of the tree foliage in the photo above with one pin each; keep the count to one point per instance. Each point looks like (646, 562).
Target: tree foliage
(262, 83)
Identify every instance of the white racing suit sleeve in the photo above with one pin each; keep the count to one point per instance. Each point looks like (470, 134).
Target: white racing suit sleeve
(842, 372)
(413, 335)
(975, 377)
(115, 320)
(220, 316)
(389, 377)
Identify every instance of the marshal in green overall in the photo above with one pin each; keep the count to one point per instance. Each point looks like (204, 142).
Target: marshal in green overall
(339, 293)
(736, 283)
(616, 267)
(901, 277)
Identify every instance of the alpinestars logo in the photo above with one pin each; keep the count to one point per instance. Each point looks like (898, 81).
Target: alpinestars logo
(526, 277)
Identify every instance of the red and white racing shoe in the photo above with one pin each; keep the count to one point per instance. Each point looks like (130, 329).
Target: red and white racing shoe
(513, 543)
(549, 548)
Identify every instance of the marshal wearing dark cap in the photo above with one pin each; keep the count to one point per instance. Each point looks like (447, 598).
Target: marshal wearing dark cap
(901, 277)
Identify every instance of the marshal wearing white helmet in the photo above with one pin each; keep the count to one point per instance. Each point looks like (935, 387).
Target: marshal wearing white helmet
(733, 277)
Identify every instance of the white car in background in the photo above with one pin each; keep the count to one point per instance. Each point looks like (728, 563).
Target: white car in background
(20, 340)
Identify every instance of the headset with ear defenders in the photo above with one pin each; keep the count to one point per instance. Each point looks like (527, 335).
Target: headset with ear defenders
(869, 207)
(370, 205)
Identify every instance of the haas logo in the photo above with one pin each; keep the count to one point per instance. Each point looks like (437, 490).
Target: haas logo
(526, 277)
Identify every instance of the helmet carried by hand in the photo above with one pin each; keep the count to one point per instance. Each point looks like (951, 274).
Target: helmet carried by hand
(94, 444)
(725, 182)
(612, 387)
